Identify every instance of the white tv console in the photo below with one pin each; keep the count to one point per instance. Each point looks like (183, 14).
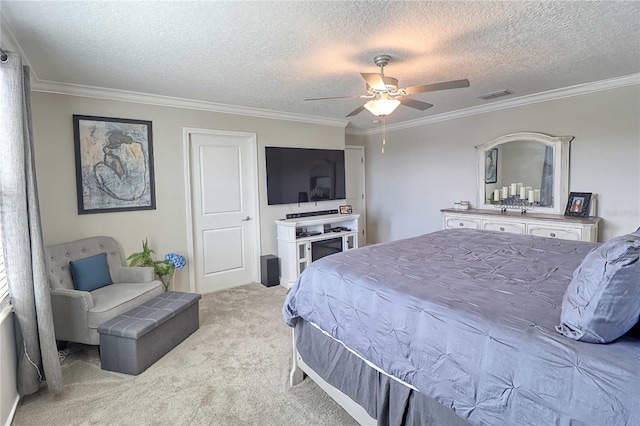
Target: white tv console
(296, 251)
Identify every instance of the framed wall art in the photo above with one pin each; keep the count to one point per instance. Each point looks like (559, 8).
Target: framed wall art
(114, 164)
(491, 166)
(578, 204)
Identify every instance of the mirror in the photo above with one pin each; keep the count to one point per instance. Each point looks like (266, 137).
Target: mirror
(524, 168)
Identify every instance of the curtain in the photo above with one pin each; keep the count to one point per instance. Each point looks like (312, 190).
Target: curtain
(546, 186)
(22, 234)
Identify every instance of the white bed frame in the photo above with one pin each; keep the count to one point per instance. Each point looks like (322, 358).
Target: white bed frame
(300, 368)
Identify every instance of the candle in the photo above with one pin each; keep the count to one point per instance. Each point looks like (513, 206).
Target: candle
(514, 188)
(532, 198)
(496, 195)
(520, 185)
(505, 192)
(536, 194)
(523, 192)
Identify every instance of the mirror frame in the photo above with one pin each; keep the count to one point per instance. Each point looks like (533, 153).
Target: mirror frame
(560, 144)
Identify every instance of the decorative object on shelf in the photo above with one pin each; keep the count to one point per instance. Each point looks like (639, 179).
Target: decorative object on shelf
(346, 209)
(164, 269)
(491, 168)
(516, 196)
(515, 203)
(578, 204)
(114, 164)
(461, 205)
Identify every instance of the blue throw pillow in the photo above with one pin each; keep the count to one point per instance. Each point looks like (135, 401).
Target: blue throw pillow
(90, 273)
(602, 301)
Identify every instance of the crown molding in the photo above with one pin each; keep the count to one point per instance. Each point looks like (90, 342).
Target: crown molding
(174, 102)
(566, 92)
(169, 101)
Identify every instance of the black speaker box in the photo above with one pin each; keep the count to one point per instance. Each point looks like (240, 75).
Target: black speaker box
(269, 270)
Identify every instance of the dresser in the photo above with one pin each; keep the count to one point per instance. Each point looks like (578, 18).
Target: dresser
(538, 224)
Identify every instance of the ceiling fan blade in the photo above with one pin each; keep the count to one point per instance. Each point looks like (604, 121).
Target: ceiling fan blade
(413, 103)
(356, 111)
(455, 84)
(374, 80)
(335, 97)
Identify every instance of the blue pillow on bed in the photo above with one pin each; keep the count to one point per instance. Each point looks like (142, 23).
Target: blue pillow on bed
(90, 273)
(602, 301)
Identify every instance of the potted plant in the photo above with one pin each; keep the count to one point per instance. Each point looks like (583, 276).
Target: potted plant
(164, 269)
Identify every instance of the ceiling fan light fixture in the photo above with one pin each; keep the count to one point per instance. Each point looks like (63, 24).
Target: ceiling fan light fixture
(382, 107)
(388, 96)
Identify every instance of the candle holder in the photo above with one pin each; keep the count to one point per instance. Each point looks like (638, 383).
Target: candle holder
(514, 203)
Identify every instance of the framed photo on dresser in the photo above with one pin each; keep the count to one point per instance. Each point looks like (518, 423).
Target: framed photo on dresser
(578, 204)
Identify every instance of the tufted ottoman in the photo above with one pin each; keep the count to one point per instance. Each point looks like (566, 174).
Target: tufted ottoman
(131, 342)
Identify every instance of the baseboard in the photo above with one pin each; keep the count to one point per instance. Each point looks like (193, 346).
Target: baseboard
(13, 411)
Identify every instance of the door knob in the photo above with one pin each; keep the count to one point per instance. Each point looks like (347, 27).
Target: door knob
(246, 219)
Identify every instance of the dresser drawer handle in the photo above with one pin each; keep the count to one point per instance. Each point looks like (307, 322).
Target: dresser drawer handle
(552, 234)
(461, 224)
(502, 228)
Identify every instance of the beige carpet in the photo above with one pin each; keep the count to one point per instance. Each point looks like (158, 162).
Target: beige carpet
(233, 371)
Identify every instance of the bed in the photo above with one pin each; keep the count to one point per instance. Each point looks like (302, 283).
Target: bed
(457, 327)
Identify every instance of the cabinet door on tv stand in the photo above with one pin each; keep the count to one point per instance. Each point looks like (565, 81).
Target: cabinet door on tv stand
(304, 250)
(350, 241)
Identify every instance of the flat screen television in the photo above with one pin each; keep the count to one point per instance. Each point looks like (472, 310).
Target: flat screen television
(300, 175)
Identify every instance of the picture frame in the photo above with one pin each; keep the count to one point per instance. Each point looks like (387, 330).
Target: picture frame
(114, 164)
(578, 204)
(491, 166)
(346, 209)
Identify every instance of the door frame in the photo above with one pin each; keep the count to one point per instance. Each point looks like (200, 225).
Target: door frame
(364, 193)
(253, 178)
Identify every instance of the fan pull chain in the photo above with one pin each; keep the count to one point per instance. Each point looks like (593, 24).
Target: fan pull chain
(384, 133)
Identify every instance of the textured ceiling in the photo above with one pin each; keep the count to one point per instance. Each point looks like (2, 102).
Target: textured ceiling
(272, 55)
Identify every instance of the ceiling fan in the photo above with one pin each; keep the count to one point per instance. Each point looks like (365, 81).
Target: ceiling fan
(385, 96)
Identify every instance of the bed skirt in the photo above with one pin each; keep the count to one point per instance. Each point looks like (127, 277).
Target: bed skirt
(382, 397)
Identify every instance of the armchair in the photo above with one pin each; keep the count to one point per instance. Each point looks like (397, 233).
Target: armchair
(77, 314)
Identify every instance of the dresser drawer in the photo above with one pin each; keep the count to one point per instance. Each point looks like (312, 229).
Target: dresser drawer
(574, 234)
(461, 222)
(512, 227)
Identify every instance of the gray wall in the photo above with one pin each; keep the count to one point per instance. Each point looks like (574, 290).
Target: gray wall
(423, 169)
(166, 226)
(427, 168)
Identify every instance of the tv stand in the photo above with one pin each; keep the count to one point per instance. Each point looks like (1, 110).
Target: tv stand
(303, 240)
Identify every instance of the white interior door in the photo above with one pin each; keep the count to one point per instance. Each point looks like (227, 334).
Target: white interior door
(223, 208)
(354, 168)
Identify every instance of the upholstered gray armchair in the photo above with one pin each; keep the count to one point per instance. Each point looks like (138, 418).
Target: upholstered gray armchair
(77, 314)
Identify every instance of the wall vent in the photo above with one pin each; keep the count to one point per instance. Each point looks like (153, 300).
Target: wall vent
(496, 94)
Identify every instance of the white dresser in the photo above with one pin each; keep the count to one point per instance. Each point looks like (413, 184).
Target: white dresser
(541, 225)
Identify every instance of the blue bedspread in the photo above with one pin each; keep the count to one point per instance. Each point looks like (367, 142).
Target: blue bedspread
(467, 317)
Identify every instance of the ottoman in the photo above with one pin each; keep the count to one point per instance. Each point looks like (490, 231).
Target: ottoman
(131, 342)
